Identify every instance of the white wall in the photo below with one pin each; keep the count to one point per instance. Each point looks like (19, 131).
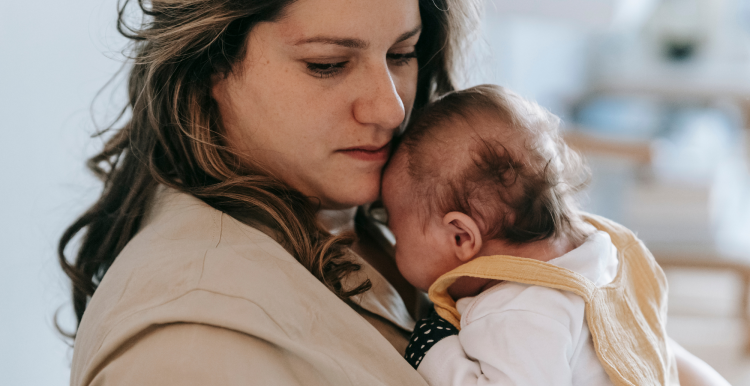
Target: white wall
(53, 60)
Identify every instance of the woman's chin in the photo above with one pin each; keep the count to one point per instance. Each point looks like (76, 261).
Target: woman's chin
(351, 196)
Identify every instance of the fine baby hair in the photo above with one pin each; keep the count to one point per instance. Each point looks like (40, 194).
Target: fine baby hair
(499, 158)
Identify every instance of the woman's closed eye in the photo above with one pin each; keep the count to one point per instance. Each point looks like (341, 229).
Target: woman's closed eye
(330, 69)
(326, 70)
(402, 59)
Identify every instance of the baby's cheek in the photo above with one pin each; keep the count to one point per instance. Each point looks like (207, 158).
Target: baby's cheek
(407, 267)
(400, 263)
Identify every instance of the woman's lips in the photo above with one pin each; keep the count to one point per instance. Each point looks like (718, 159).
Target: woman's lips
(368, 153)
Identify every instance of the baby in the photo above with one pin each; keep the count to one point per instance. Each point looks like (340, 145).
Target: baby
(479, 195)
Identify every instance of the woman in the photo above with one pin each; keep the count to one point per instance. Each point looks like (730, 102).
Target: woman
(249, 120)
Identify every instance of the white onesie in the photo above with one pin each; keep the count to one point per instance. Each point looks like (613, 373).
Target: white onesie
(518, 334)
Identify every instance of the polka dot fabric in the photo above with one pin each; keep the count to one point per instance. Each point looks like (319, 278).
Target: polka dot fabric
(427, 332)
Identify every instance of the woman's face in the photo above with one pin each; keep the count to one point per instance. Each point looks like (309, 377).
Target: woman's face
(321, 93)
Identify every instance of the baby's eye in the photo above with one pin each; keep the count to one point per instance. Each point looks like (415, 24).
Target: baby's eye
(326, 70)
(402, 59)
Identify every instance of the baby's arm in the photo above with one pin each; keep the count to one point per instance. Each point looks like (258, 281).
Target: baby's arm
(506, 348)
(506, 345)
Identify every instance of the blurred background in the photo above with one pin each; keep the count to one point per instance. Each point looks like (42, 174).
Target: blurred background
(655, 93)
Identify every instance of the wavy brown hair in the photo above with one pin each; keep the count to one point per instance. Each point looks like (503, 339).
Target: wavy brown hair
(173, 137)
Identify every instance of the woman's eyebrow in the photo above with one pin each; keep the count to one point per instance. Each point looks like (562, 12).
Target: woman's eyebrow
(345, 42)
(409, 34)
(352, 42)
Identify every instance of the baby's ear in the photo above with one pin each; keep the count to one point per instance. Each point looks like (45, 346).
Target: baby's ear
(465, 236)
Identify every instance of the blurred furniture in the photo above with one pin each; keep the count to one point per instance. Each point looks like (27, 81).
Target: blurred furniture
(597, 13)
(668, 256)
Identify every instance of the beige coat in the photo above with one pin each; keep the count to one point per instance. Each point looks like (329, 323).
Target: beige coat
(198, 298)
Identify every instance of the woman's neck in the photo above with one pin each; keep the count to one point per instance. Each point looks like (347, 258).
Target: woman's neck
(338, 221)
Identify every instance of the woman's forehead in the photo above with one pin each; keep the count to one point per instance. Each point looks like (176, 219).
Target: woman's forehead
(351, 23)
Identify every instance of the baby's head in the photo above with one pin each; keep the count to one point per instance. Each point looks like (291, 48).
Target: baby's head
(478, 168)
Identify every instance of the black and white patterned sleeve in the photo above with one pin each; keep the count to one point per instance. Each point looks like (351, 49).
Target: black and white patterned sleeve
(427, 332)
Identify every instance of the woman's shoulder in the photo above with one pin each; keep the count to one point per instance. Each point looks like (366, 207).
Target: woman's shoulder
(192, 264)
(187, 246)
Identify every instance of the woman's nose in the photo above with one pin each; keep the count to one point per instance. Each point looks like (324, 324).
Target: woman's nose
(378, 102)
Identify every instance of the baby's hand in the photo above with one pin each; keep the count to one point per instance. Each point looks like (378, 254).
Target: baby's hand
(427, 332)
